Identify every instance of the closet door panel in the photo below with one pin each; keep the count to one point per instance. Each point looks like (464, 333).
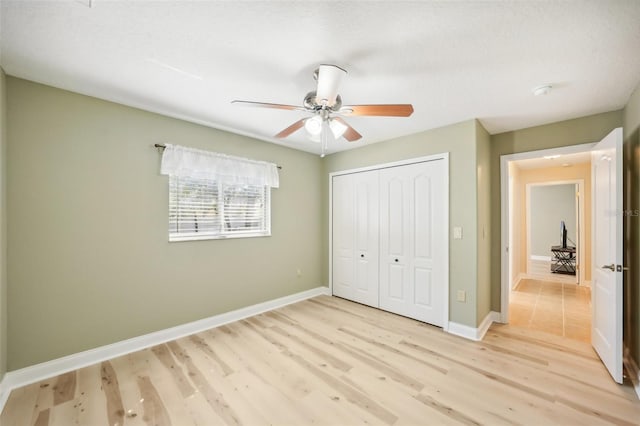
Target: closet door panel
(423, 292)
(355, 237)
(429, 239)
(394, 290)
(366, 237)
(394, 235)
(423, 238)
(410, 196)
(343, 237)
(423, 263)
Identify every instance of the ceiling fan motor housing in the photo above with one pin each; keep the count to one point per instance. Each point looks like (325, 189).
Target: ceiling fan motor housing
(312, 103)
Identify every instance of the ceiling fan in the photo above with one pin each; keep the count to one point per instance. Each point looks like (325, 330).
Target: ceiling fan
(325, 105)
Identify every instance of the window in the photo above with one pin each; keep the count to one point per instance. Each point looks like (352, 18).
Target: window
(205, 209)
(214, 195)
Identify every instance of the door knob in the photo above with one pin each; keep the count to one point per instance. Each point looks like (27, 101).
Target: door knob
(611, 267)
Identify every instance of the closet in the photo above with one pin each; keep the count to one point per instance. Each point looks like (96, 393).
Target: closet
(390, 239)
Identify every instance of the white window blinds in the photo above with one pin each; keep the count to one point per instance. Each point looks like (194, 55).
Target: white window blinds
(214, 203)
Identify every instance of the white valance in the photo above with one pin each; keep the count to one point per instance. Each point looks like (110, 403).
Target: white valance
(183, 161)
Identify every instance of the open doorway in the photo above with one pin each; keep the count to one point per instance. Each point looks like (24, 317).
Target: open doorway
(547, 261)
(554, 218)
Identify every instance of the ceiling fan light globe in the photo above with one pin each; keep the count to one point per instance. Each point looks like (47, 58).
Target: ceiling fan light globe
(315, 138)
(337, 128)
(313, 125)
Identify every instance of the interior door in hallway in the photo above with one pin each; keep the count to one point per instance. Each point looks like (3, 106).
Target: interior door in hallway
(355, 237)
(413, 234)
(606, 333)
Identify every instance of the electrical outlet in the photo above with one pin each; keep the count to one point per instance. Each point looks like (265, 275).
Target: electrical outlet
(457, 232)
(299, 272)
(461, 296)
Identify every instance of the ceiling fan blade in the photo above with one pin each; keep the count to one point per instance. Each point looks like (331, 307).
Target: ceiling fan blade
(350, 134)
(295, 126)
(329, 80)
(268, 105)
(389, 110)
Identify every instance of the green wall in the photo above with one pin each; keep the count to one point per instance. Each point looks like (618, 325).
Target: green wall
(459, 140)
(631, 122)
(564, 133)
(483, 141)
(3, 227)
(89, 261)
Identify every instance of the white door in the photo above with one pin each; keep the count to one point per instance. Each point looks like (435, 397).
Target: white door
(355, 237)
(413, 240)
(606, 297)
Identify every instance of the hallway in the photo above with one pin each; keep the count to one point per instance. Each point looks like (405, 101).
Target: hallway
(558, 308)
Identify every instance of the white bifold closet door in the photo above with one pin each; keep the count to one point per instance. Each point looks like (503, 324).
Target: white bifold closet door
(412, 235)
(389, 233)
(355, 237)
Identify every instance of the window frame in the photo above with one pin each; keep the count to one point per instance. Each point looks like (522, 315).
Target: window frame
(221, 234)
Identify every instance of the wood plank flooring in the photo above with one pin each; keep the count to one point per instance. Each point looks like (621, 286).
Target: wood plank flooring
(327, 361)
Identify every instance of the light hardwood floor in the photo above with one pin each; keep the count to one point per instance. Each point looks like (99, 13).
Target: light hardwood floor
(563, 309)
(330, 361)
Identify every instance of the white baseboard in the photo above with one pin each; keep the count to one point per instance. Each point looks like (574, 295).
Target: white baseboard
(632, 369)
(521, 276)
(4, 393)
(472, 333)
(540, 258)
(35, 373)
(554, 278)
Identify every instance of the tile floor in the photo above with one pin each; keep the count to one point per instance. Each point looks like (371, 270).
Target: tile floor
(558, 308)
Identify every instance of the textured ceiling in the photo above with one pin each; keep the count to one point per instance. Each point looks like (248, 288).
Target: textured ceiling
(453, 60)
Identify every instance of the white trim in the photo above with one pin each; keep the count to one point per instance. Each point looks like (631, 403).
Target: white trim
(434, 157)
(542, 258)
(472, 333)
(4, 392)
(447, 289)
(330, 233)
(45, 370)
(443, 156)
(504, 212)
(633, 370)
(521, 276)
(550, 277)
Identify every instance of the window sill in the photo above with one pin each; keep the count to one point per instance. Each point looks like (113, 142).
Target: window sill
(181, 238)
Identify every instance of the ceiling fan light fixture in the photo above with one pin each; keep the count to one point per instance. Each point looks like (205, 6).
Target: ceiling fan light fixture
(313, 125)
(337, 128)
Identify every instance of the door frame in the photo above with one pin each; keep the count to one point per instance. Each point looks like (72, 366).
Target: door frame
(504, 212)
(580, 232)
(442, 156)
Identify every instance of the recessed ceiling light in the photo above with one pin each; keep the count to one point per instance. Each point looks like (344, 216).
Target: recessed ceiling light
(551, 157)
(541, 90)
(566, 165)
